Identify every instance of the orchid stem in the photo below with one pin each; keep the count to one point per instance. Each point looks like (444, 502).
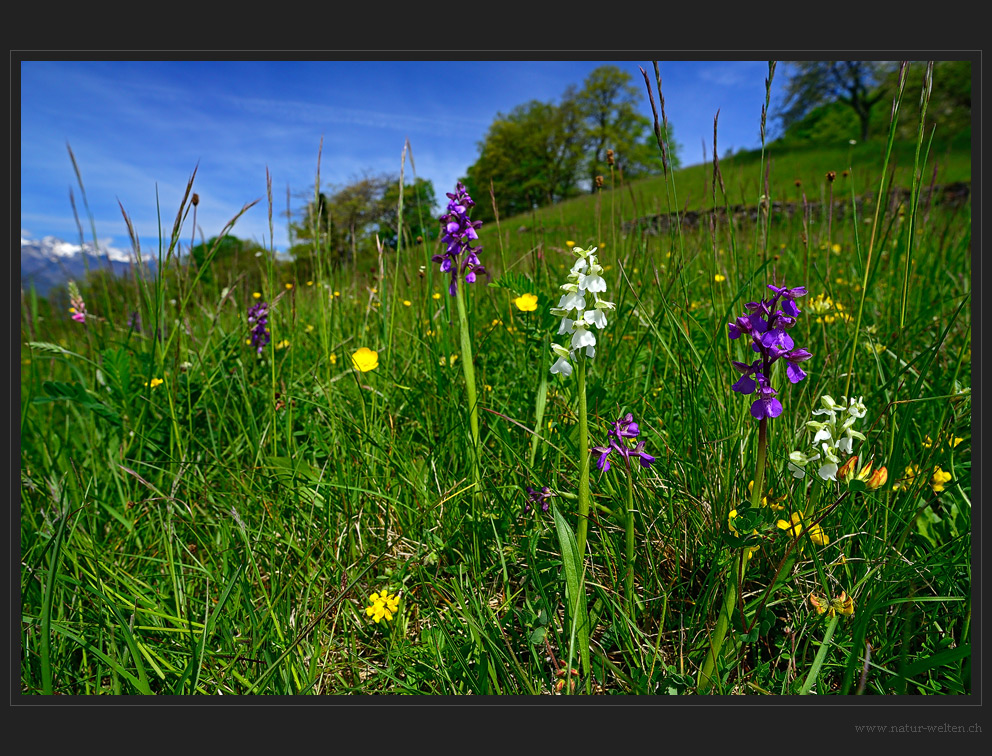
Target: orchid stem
(473, 409)
(580, 538)
(736, 574)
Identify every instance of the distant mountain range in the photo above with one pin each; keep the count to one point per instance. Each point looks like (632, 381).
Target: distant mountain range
(49, 262)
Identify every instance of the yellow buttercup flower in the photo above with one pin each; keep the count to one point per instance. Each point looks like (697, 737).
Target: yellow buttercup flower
(309, 283)
(570, 244)
(256, 294)
(365, 359)
(719, 278)
(835, 248)
(407, 303)
(334, 359)
(526, 302)
(436, 295)
(289, 286)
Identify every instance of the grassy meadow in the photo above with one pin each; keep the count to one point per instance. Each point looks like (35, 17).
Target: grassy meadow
(352, 509)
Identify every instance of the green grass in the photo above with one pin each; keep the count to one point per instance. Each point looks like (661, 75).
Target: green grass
(221, 532)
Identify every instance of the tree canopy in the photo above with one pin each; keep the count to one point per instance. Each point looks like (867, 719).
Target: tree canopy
(834, 119)
(341, 224)
(542, 152)
(814, 83)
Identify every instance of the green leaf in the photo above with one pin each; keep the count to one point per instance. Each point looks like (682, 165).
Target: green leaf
(574, 588)
(538, 635)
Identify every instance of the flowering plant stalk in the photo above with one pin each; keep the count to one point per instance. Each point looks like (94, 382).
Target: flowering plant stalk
(458, 232)
(766, 323)
(620, 434)
(583, 288)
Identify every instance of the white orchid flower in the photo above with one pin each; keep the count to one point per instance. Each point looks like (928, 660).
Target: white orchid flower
(592, 283)
(572, 301)
(582, 337)
(562, 366)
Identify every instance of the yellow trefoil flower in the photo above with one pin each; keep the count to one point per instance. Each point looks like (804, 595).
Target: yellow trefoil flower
(939, 479)
(842, 604)
(795, 529)
(365, 360)
(155, 382)
(526, 302)
(334, 359)
(382, 606)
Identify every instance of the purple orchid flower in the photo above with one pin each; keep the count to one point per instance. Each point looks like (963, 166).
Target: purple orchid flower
(459, 232)
(767, 323)
(623, 429)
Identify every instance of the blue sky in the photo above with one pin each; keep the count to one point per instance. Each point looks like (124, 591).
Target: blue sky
(139, 128)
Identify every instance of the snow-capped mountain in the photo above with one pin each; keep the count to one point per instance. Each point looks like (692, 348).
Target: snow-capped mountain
(50, 262)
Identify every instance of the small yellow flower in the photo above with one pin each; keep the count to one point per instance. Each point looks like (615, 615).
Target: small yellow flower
(436, 295)
(382, 606)
(951, 441)
(878, 478)
(570, 244)
(337, 293)
(769, 499)
(155, 382)
(407, 303)
(842, 604)
(365, 360)
(939, 479)
(256, 295)
(309, 328)
(334, 359)
(795, 529)
(719, 278)
(282, 344)
(309, 283)
(289, 286)
(526, 302)
(835, 248)
(846, 471)
(487, 387)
